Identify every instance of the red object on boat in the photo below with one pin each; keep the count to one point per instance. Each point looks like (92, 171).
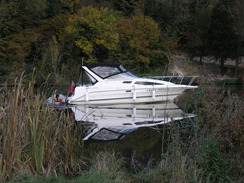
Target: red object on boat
(72, 88)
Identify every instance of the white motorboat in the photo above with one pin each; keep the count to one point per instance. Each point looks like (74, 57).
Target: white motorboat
(110, 83)
(113, 122)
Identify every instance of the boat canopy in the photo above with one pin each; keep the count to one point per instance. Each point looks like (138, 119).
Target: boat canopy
(103, 71)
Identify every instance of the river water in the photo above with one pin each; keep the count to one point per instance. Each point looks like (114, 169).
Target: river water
(140, 132)
(136, 131)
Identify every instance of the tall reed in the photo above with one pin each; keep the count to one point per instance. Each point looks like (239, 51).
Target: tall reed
(34, 138)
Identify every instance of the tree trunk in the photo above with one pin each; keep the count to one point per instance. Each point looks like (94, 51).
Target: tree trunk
(201, 63)
(222, 69)
(236, 67)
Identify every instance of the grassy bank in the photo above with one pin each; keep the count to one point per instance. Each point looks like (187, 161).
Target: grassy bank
(41, 144)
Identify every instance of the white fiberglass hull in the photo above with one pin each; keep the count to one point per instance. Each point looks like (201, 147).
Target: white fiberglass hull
(112, 84)
(117, 95)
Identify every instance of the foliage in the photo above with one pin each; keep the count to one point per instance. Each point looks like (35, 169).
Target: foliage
(135, 41)
(139, 43)
(9, 20)
(197, 42)
(110, 165)
(24, 34)
(52, 58)
(99, 33)
(34, 138)
(128, 7)
(238, 8)
(94, 31)
(222, 40)
(39, 180)
(89, 177)
(222, 112)
(72, 5)
(214, 165)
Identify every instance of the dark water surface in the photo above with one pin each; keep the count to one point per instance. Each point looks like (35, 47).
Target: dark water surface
(138, 132)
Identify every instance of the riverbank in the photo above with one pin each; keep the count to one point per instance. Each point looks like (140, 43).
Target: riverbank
(208, 70)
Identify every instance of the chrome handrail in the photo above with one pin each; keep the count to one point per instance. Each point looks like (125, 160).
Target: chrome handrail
(177, 77)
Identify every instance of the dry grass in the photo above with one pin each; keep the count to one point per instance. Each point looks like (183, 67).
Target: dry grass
(212, 152)
(34, 137)
(111, 165)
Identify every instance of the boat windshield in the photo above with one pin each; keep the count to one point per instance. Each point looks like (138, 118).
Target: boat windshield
(105, 71)
(109, 70)
(86, 79)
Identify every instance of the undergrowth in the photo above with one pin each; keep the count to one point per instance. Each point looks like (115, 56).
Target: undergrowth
(39, 144)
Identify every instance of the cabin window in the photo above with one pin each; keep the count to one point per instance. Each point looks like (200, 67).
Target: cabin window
(147, 83)
(127, 82)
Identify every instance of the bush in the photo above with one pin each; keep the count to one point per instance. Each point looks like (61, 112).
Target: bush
(215, 166)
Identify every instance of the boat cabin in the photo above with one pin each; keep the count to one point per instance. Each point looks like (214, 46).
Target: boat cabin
(95, 72)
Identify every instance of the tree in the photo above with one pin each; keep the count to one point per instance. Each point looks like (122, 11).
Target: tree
(10, 21)
(197, 37)
(25, 30)
(238, 15)
(94, 31)
(222, 40)
(140, 43)
(128, 7)
(72, 5)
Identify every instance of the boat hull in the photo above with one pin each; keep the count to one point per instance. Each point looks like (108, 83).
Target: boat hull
(92, 95)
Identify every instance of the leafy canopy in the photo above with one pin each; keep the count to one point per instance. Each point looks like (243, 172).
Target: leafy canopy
(94, 30)
(139, 41)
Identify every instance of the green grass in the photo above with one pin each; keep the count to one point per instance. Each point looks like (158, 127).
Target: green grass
(87, 177)
(41, 180)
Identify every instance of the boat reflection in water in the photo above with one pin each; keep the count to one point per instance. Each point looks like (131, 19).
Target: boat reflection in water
(113, 122)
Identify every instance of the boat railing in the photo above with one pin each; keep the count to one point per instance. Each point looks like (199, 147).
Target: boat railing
(188, 80)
